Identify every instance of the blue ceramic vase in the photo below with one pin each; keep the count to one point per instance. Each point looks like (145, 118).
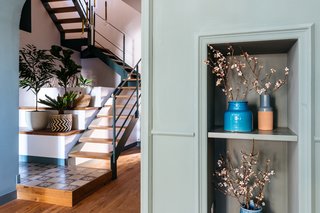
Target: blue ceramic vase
(243, 210)
(238, 117)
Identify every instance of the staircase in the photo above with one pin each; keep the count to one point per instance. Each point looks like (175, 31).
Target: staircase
(107, 135)
(69, 19)
(76, 20)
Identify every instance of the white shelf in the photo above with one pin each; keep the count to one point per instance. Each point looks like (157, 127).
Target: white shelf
(279, 134)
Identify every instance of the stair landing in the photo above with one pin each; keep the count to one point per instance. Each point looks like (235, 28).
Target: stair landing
(65, 186)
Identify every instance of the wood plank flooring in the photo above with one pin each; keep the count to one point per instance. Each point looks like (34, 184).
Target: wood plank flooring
(119, 196)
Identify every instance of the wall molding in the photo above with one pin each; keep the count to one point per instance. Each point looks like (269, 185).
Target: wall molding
(305, 162)
(8, 197)
(146, 104)
(177, 134)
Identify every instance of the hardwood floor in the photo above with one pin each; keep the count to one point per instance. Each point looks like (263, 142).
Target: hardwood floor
(119, 196)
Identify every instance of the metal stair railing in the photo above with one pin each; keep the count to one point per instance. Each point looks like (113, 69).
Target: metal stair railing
(89, 17)
(89, 21)
(122, 34)
(116, 152)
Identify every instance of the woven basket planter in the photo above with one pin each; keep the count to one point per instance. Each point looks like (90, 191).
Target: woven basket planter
(61, 123)
(83, 101)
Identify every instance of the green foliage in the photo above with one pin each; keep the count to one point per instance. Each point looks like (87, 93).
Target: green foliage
(68, 69)
(61, 103)
(84, 82)
(35, 69)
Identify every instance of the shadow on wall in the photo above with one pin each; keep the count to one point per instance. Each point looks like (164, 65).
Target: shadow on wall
(100, 73)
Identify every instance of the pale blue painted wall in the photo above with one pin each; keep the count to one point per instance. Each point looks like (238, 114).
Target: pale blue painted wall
(9, 46)
(175, 27)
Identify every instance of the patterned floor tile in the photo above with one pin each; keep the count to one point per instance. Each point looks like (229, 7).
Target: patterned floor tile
(79, 183)
(76, 177)
(45, 184)
(58, 186)
(36, 177)
(70, 187)
(53, 174)
(88, 178)
(32, 183)
(57, 177)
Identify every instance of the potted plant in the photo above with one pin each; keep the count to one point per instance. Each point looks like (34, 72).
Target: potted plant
(61, 122)
(245, 182)
(35, 71)
(68, 69)
(66, 75)
(84, 99)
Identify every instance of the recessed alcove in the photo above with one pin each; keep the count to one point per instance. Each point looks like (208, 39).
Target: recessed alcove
(289, 146)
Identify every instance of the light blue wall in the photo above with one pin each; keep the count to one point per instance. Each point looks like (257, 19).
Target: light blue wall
(176, 25)
(9, 46)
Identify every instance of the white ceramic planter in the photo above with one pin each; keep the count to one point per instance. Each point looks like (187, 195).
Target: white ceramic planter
(37, 120)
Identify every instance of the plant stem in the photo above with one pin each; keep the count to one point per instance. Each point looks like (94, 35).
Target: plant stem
(36, 102)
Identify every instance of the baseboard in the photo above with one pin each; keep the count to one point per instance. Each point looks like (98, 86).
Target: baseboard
(8, 197)
(44, 160)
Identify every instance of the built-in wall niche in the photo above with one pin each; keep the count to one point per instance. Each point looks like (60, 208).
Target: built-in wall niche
(289, 146)
(273, 145)
(276, 54)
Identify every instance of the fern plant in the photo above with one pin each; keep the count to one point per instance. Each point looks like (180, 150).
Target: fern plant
(61, 103)
(35, 69)
(84, 82)
(68, 68)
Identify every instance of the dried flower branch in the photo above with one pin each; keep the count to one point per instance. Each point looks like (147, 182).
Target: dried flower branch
(245, 183)
(237, 76)
(269, 83)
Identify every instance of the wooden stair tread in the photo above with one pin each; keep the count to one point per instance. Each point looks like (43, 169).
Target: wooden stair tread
(95, 140)
(132, 79)
(103, 127)
(126, 96)
(119, 105)
(110, 116)
(55, 0)
(69, 20)
(63, 9)
(48, 132)
(94, 155)
(47, 108)
(77, 30)
(128, 88)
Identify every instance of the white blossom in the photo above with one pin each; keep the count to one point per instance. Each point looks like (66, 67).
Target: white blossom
(218, 82)
(268, 85)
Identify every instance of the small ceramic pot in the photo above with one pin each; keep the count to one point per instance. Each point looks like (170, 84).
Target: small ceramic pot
(265, 113)
(238, 117)
(243, 210)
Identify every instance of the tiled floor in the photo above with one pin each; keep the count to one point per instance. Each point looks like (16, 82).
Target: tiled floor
(57, 177)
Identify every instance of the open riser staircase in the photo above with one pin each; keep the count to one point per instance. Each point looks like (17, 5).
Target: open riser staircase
(108, 133)
(75, 20)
